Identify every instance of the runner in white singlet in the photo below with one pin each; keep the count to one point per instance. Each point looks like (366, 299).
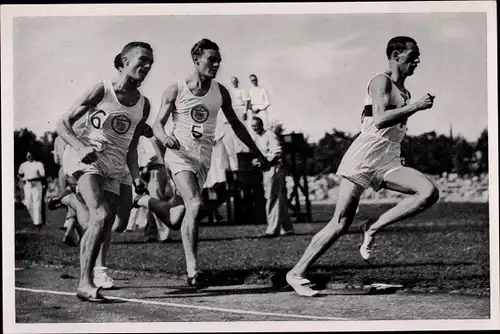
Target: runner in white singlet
(376, 152)
(98, 157)
(193, 104)
(374, 160)
(194, 119)
(77, 212)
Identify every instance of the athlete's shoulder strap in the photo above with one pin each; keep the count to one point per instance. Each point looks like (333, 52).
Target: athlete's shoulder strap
(368, 109)
(373, 77)
(216, 85)
(108, 89)
(181, 83)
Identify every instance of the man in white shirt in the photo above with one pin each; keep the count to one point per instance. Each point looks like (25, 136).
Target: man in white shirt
(259, 102)
(233, 144)
(32, 173)
(278, 219)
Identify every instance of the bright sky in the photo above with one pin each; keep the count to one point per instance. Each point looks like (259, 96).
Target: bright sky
(315, 67)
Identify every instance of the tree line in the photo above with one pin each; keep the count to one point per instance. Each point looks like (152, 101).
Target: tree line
(429, 152)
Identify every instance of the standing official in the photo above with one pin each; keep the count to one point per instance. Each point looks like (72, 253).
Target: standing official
(259, 102)
(278, 219)
(32, 174)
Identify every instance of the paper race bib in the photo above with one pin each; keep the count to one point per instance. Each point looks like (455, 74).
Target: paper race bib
(199, 114)
(197, 130)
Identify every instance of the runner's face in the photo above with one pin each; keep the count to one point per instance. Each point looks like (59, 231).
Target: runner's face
(409, 59)
(139, 63)
(209, 62)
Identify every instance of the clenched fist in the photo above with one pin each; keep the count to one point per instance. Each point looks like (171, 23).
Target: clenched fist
(425, 102)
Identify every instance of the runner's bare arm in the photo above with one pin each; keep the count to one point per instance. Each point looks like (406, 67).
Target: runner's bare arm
(239, 129)
(383, 117)
(166, 108)
(132, 159)
(88, 100)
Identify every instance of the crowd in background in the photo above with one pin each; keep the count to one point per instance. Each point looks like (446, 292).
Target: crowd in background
(452, 187)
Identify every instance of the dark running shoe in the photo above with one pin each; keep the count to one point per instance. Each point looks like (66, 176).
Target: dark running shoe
(135, 203)
(54, 203)
(198, 281)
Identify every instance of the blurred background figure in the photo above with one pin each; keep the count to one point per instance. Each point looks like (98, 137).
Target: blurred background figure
(259, 102)
(275, 192)
(153, 172)
(32, 175)
(240, 102)
(215, 185)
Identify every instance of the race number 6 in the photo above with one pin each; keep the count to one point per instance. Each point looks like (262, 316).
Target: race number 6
(197, 131)
(96, 120)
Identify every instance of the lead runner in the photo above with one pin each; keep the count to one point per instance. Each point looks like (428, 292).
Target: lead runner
(373, 160)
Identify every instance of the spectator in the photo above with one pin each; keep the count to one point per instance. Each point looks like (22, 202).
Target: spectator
(259, 102)
(32, 174)
(278, 219)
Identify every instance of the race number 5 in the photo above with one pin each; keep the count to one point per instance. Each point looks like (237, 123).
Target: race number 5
(197, 131)
(96, 120)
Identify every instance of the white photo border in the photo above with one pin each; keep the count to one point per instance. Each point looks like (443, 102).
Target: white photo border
(9, 12)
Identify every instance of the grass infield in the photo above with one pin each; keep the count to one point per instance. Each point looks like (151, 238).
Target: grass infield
(445, 249)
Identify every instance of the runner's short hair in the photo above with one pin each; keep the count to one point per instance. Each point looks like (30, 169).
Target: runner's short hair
(204, 44)
(398, 43)
(131, 46)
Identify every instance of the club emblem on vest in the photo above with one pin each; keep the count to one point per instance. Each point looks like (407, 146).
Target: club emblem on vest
(199, 113)
(120, 124)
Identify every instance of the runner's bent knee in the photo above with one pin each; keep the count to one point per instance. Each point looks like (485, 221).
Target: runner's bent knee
(430, 194)
(101, 215)
(194, 204)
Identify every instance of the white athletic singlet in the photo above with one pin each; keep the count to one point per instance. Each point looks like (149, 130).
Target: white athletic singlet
(59, 147)
(397, 99)
(195, 117)
(60, 144)
(110, 126)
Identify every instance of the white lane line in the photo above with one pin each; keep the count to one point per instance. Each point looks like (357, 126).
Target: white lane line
(208, 308)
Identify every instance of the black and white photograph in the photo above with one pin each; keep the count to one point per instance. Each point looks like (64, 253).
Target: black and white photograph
(274, 167)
